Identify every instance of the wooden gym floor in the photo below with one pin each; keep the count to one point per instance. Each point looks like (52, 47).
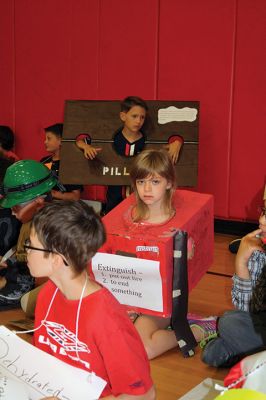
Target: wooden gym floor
(174, 375)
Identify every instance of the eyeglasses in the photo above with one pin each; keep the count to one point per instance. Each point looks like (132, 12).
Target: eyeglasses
(28, 247)
(262, 211)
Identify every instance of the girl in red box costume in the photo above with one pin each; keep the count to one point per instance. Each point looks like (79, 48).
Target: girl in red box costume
(154, 182)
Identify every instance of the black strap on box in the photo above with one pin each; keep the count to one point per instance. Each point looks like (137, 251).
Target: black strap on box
(179, 322)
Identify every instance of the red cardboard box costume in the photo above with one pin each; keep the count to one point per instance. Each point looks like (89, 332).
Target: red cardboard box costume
(194, 214)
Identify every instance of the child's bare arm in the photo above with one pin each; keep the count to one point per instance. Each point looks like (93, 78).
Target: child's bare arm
(73, 195)
(89, 151)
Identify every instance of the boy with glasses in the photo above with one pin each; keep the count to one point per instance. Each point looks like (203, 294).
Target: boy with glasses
(77, 320)
(26, 187)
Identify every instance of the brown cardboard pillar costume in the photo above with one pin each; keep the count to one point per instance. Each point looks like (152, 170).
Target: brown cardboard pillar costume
(100, 119)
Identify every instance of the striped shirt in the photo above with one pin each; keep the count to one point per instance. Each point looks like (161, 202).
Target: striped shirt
(242, 288)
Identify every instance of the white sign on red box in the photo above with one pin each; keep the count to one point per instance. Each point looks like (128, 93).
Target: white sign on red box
(133, 281)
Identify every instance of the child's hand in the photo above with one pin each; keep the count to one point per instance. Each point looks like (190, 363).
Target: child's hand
(91, 152)
(174, 149)
(248, 245)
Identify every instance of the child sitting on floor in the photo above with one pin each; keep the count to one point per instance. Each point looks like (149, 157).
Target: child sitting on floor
(63, 238)
(26, 187)
(249, 263)
(9, 225)
(154, 183)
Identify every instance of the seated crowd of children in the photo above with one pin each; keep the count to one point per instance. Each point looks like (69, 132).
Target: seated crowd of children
(55, 235)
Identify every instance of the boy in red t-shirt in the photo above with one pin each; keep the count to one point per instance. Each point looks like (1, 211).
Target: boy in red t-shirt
(77, 320)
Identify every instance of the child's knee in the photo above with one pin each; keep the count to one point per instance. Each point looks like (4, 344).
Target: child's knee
(230, 323)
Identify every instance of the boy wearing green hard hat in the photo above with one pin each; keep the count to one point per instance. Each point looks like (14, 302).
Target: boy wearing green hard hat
(25, 189)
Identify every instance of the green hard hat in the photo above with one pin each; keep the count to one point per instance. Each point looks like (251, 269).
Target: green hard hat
(24, 181)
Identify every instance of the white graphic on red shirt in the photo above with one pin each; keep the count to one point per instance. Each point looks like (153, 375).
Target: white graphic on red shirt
(67, 344)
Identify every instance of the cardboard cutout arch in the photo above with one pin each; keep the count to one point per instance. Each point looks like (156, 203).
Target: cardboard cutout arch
(100, 120)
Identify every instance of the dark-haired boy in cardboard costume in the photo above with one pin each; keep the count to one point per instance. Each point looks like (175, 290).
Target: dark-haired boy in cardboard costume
(53, 137)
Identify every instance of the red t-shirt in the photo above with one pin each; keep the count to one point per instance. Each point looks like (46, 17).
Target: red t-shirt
(108, 343)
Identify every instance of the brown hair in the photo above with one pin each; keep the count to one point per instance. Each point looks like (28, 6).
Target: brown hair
(132, 101)
(56, 129)
(70, 228)
(149, 163)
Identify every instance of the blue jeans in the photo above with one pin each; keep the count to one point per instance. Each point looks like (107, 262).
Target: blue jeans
(237, 339)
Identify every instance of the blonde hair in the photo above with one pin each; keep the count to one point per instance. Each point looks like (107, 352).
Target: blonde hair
(149, 163)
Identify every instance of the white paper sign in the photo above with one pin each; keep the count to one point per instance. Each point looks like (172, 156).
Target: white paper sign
(171, 114)
(133, 281)
(42, 374)
(11, 389)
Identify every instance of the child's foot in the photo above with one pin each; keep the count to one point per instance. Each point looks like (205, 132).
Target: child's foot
(204, 329)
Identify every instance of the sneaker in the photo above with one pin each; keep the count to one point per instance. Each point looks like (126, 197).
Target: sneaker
(234, 246)
(11, 294)
(210, 336)
(208, 327)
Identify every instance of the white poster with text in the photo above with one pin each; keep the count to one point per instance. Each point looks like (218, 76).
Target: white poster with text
(43, 375)
(133, 281)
